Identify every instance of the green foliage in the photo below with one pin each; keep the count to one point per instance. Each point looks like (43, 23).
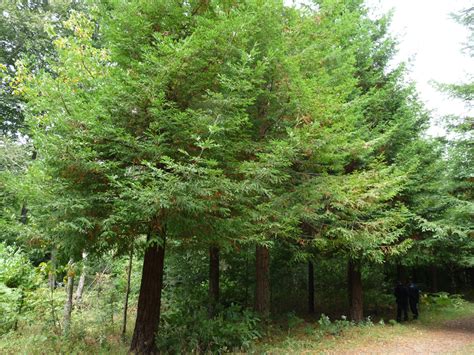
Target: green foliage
(14, 162)
(18, 280)
(187, 328)
(335, 328)
(442, 300)
(293, 321)
(217, 124)
(23, 32)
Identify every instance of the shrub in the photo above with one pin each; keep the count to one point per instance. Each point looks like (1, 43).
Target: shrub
(442, 299)
(17, 279)
(293, 321)
(188, 328)
(336, 328)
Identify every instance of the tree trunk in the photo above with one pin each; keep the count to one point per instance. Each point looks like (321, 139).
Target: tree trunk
(52, 285)
(127, 292)
(69, 294)
(452, 279)
(24, 214)
(213, 279)
(149, 300)
(262, 286)
(471, 274)
(52, 271)
(20, 308)
(310, 287)
(434, 278)
(82, 279)
(401, 274)
(354, 279)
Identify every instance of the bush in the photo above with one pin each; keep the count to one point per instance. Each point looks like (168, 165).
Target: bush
(189, 329)
(17, 279)
(442, 300)
(293, 321)
(336, 328)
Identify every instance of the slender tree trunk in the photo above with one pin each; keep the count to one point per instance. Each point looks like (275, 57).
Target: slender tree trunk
(262, 286)
(354, 278)
(52, 285)
(213, 279)
(310, 287)
(52, 272)
(80, 286)
(82, 279)
(471, 274)
(452, 279)
(127, 292)
(20, 308)
(69, 294)
(23, 220)
(401, 273)
(149, 300)
(247, 281)
(434, 278)
(24, 214)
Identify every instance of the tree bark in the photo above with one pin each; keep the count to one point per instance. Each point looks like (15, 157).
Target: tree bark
(52, 285)
(434, 278)
(452, 279)
(213, 279)
(127, 292)
(52, 272)
(20, 308)
(24, 214)
(262, 286)
(149, 300)
(82, 279)
(354, 278)
(310, 287)
(69, 294)
(401, 274)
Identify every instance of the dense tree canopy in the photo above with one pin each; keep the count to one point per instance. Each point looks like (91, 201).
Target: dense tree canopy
(256, 131)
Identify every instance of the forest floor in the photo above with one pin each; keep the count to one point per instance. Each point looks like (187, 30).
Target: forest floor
(447, 330)
(451, 337)
(440, 330)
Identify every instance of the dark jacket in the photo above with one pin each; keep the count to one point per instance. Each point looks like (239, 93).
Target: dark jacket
(401, 294)
(413, 293)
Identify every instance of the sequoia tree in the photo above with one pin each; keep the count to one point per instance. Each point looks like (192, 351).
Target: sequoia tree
(147, 130)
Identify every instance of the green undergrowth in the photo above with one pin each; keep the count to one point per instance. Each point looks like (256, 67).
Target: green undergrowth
(93, 331)
(328, 335)
(89, 335)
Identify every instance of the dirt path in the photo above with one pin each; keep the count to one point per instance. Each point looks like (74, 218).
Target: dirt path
(452, 337)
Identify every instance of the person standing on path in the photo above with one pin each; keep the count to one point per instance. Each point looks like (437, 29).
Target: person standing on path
(401, 295)
(414, 299)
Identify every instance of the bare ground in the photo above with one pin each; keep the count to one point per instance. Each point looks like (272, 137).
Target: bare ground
(452, 337)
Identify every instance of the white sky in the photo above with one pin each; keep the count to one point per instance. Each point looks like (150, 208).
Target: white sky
(431, 41)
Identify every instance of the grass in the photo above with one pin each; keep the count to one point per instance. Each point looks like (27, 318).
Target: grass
(91, 334)
(306, 337)
(93, 331)
(467, 350)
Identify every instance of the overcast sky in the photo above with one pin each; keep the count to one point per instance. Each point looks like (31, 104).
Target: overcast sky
(431, 41)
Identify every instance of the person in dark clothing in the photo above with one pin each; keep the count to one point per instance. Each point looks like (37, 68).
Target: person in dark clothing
(401, 295)
(414, 299)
